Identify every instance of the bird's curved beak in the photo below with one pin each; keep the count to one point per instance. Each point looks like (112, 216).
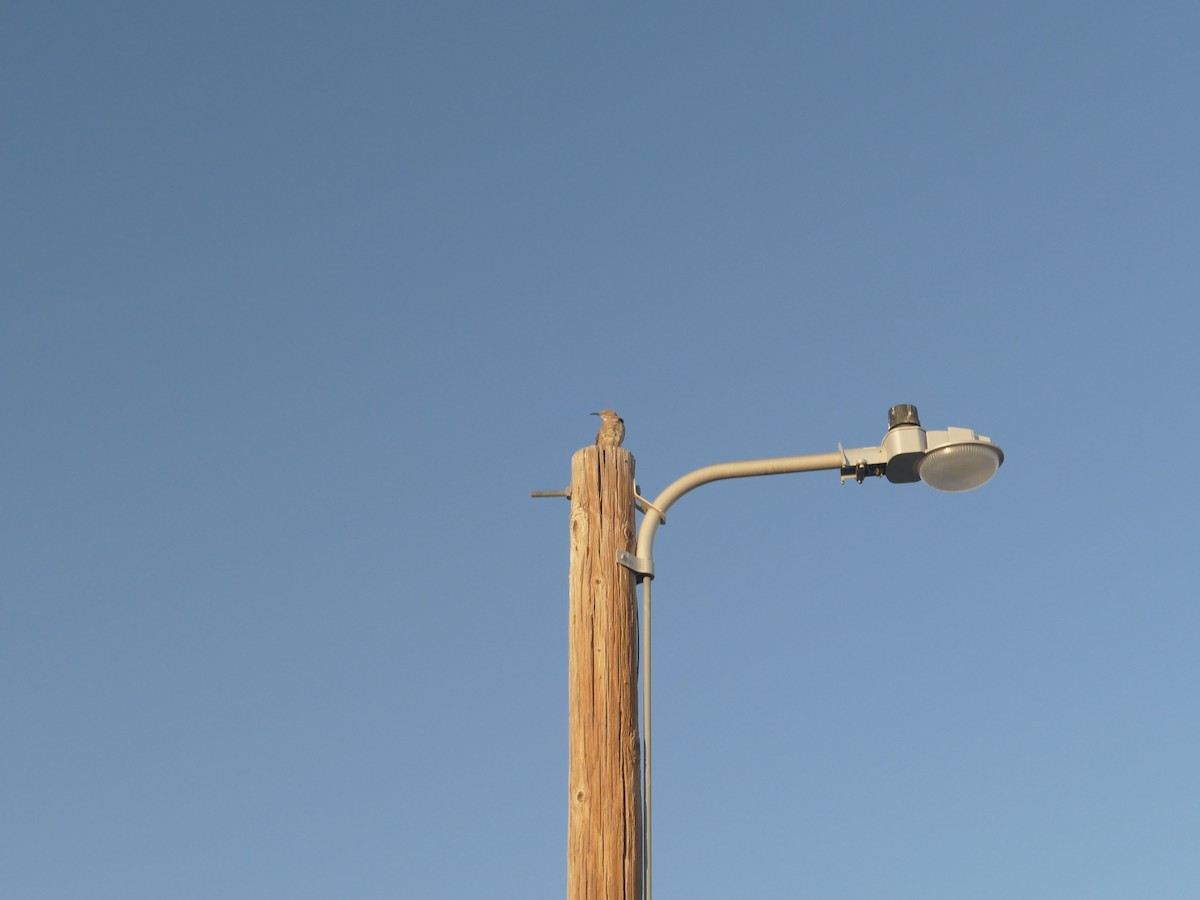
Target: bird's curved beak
(593, 414)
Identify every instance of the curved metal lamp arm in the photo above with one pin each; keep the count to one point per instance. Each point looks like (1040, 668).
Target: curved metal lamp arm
(643, 565)
(779, 465)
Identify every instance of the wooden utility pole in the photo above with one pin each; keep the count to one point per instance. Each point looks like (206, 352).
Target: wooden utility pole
(604, 825)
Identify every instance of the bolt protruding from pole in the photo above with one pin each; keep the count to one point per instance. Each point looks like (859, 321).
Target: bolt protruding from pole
(903, 414)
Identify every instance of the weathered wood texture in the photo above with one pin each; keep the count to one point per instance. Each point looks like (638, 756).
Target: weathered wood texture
(604, 828)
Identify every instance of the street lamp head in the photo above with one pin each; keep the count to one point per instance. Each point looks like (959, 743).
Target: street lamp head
(956, 459)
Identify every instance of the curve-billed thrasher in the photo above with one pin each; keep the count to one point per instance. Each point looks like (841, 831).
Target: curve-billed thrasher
(612, 429)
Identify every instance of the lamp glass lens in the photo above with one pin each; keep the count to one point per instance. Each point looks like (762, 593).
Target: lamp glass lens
(959, 467)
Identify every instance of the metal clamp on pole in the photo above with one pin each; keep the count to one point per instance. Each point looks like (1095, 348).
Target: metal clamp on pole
(643, 568)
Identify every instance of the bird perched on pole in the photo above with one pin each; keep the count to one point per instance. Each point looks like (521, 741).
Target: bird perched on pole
(612, 429)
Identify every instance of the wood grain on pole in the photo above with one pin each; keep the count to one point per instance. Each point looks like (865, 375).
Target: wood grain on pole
(604, 828)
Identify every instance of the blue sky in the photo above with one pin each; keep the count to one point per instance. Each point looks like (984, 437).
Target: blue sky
(299, 302)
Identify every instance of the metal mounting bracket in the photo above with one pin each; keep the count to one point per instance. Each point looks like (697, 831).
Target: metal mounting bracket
(861, 467)
(644, 568)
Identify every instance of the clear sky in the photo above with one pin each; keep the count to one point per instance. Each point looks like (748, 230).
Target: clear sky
(299, 301)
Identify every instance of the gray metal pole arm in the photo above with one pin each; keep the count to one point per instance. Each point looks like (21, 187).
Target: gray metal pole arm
(643, 565)
(779, 465)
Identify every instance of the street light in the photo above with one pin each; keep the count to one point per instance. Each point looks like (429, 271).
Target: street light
(956, 459)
